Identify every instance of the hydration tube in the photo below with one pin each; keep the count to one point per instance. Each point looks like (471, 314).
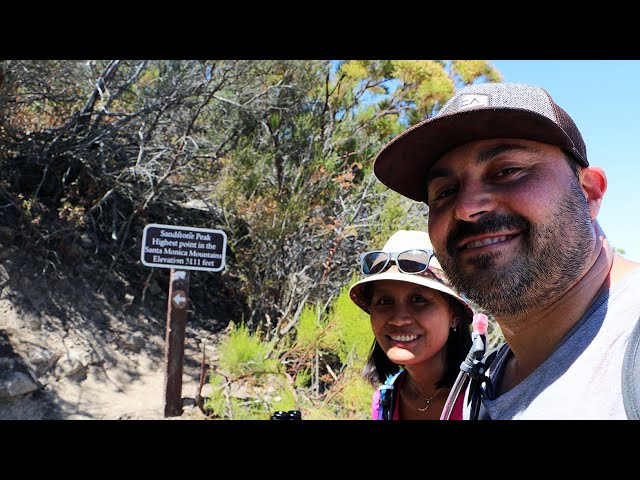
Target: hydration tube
(470, 366)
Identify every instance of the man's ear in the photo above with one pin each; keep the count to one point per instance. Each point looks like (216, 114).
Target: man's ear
(594, 183)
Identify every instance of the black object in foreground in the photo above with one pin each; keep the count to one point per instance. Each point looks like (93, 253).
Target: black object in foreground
(290, 415)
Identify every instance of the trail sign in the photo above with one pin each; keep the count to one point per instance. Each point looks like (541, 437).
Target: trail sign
(184, 248)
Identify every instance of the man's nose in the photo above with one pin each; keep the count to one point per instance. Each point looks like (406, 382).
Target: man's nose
(473, 199)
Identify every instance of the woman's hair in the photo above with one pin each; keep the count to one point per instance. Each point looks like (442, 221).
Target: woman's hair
(378, 366)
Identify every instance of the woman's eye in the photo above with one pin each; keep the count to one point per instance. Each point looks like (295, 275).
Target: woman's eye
(383, 301)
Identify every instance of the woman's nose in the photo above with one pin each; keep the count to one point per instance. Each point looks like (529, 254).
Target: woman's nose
(400, 316)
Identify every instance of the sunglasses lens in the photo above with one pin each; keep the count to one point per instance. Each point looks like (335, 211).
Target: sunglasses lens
(413, 261)
(374, 262)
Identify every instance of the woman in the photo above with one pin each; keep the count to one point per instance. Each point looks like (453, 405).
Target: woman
(421, 328)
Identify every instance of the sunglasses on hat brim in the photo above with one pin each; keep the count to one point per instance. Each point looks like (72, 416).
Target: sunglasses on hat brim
(409, 261)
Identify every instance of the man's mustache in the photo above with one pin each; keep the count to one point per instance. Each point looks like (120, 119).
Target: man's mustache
(489, 223)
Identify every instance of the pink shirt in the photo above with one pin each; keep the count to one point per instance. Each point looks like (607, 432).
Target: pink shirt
(456, 412)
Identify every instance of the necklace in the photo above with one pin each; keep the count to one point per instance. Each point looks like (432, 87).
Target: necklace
(427, 401)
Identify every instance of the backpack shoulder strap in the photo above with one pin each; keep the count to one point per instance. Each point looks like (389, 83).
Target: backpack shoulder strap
(481, 385)
(491, 355)
(631, 375)
(387, 400)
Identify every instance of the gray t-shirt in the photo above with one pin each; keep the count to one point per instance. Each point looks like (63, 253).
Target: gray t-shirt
(582, 379)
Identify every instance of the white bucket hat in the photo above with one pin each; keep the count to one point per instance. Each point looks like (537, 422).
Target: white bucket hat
(433, 277)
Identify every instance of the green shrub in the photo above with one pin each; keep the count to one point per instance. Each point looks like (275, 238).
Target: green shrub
(315, 369)
(215, 404)
(355, 398)
(248, 384)
(351, 333)
(243, 353)
(310, 329)
(339, 340)
(303, 378)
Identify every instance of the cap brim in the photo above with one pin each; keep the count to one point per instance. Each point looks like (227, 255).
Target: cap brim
(403, 163)
(357, 295)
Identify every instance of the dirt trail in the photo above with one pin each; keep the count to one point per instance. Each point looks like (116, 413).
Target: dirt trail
(108, 393)
(80, 353)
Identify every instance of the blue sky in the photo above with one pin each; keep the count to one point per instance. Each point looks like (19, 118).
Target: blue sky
(602, 98)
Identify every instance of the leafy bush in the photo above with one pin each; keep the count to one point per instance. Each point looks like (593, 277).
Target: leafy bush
(247, 385)
(243, 353)
(317, 371)
(352, 332)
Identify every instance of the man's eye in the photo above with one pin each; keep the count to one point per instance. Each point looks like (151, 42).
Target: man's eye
(508, 171)
(445, 192)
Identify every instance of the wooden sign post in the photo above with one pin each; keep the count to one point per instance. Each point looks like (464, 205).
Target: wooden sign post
(181, 249)
(174, 346)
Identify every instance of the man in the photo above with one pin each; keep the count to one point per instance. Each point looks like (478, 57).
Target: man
(513, 203)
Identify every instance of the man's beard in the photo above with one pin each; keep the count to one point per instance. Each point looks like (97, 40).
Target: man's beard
(553, 257)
